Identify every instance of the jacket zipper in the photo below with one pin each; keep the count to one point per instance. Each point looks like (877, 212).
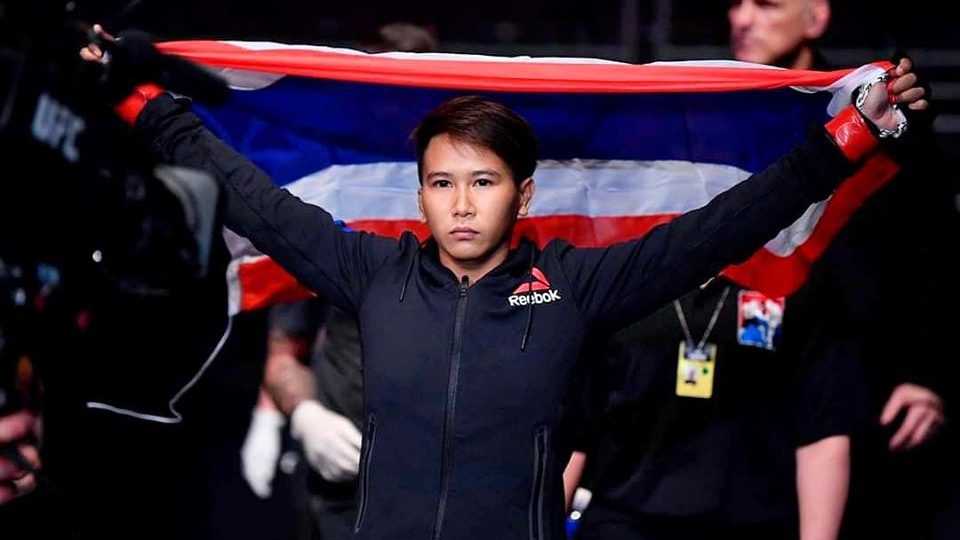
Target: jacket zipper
(364, 465)
(451, 401)
(539, 484)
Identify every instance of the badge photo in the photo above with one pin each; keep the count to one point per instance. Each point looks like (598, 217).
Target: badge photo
(695, 370)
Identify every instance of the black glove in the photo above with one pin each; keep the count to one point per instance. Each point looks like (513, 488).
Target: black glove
(135, 60)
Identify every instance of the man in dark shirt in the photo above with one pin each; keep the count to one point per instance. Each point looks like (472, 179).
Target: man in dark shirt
(688, 446)
(892, 267)
(873, 279)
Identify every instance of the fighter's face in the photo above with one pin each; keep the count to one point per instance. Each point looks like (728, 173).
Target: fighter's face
(470, 202)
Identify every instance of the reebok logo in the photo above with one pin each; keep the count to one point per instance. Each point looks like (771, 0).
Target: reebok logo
(535, 291)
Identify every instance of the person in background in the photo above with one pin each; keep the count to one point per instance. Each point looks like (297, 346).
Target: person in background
(17, 430)
(716, 415)
(401, 37)
(642, 485)
(891, 266)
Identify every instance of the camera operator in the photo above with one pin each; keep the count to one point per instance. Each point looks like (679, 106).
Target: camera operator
(17, 430)
(112, 285)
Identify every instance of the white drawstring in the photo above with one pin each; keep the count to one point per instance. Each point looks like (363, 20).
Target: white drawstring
(175, 418)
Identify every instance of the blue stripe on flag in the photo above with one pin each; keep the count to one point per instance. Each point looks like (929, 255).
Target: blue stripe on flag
(299, 126)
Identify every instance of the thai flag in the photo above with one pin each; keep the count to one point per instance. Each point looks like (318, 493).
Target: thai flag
(623, 147)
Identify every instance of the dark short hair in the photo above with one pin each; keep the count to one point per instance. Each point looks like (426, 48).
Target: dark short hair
(483, 122)
(402, 37)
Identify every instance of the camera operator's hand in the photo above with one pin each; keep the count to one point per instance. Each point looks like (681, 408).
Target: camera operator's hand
(16, 432)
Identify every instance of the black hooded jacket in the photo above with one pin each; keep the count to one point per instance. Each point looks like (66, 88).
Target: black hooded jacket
(466, 384)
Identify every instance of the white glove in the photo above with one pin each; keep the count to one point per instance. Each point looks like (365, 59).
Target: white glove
(330, 441)
(261, 450)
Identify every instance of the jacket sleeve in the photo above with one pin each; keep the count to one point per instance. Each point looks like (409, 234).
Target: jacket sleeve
(621, 283)
(302, 238)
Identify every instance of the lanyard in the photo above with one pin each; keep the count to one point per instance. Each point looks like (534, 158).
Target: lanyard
(713, 321)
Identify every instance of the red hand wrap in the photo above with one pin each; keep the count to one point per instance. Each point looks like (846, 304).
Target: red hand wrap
(891, 95)
(129, 109)
(852, 134)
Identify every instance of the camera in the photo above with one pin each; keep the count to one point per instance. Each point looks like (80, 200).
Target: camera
(92, 220)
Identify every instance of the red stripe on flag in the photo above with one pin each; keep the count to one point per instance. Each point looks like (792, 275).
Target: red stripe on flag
(581, 231)
(781, 276)
(508, 76)
(263, 282)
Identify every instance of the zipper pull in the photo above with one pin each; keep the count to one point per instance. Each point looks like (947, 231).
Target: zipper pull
(464, 285)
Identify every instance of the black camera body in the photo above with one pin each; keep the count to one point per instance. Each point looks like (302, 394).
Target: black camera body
(88, 210)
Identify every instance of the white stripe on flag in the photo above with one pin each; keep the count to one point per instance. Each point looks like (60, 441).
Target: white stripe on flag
(593, 188)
